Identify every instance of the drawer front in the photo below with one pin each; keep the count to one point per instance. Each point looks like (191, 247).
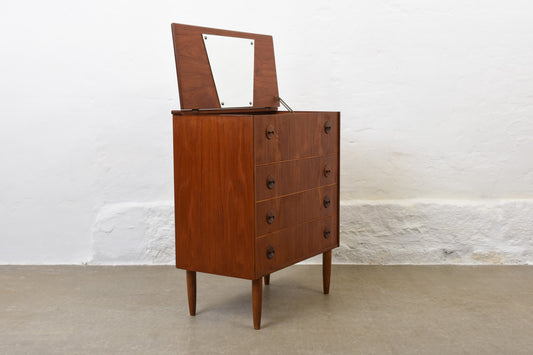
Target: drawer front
(285, 178)
(286, 247)
(284, 212)
(288, 136)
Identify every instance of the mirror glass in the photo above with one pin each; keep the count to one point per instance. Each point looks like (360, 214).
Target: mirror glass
(232, 65)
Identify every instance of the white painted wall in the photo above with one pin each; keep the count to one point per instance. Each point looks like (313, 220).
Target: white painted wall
(437, 123)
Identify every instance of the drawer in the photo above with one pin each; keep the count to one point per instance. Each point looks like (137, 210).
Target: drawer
(283, 212)
(279, 179)
(287, 136)
(277, 250)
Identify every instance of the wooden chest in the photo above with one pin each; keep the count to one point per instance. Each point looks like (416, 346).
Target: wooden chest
(256, 189)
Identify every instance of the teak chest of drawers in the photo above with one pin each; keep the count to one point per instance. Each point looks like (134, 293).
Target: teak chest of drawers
(254, 191)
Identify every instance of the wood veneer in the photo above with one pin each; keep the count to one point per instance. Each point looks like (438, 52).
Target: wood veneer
(296, 136)
(214, 198)
(278, 179)
(295, 209)
(222, 199)
(295, 244)
(197, 88)
(256, 190)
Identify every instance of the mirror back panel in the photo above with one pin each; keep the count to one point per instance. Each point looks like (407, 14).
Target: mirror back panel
(197, 89)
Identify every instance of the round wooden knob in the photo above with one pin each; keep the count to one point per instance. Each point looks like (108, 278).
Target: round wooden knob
(327, 201)
(270, 132)
(327, 127)
(270, 217)
(270, 252)
(327, 171)
(270, 182)
(327, 232)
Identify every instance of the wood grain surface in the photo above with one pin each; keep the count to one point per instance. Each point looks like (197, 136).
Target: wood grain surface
(295, 209)
(295, 175)
(326, 271)
(222, 162)
(191, 291)
(195, 82)
(295, 244)
(297, 135)
(257, 302)
(214, 194)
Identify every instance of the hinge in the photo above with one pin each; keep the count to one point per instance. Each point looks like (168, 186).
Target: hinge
(284, 104)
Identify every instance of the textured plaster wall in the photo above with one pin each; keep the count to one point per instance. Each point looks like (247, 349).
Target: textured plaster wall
(412, 231)
(437, 124)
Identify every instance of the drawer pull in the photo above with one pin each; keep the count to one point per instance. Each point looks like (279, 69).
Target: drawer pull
(270, 252)
(270, 217)
(327, 171)
(327, 127)
(327, 201)
(327, 232)
(270, 182)
(270, 132)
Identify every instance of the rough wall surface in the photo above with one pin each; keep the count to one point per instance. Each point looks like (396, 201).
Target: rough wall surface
(436, 101)
(436, 232)
(482, 232)
(134, 233)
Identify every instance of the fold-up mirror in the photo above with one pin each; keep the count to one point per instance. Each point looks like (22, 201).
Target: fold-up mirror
(232, 65)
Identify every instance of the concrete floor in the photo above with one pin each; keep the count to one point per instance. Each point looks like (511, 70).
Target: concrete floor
(370, 310)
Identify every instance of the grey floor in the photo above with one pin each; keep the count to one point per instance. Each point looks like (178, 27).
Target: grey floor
(370, 310)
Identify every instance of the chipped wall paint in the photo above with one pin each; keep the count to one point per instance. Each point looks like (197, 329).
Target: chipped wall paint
(372, 232)
(436, 106)
(134, 233)
(436, 232)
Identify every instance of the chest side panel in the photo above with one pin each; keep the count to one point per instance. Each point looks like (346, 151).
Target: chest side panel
(214, 196)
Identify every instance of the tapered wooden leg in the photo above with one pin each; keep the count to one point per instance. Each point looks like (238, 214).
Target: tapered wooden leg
(326, 270)
(257, 300)
(267, 279)
(191, 291)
